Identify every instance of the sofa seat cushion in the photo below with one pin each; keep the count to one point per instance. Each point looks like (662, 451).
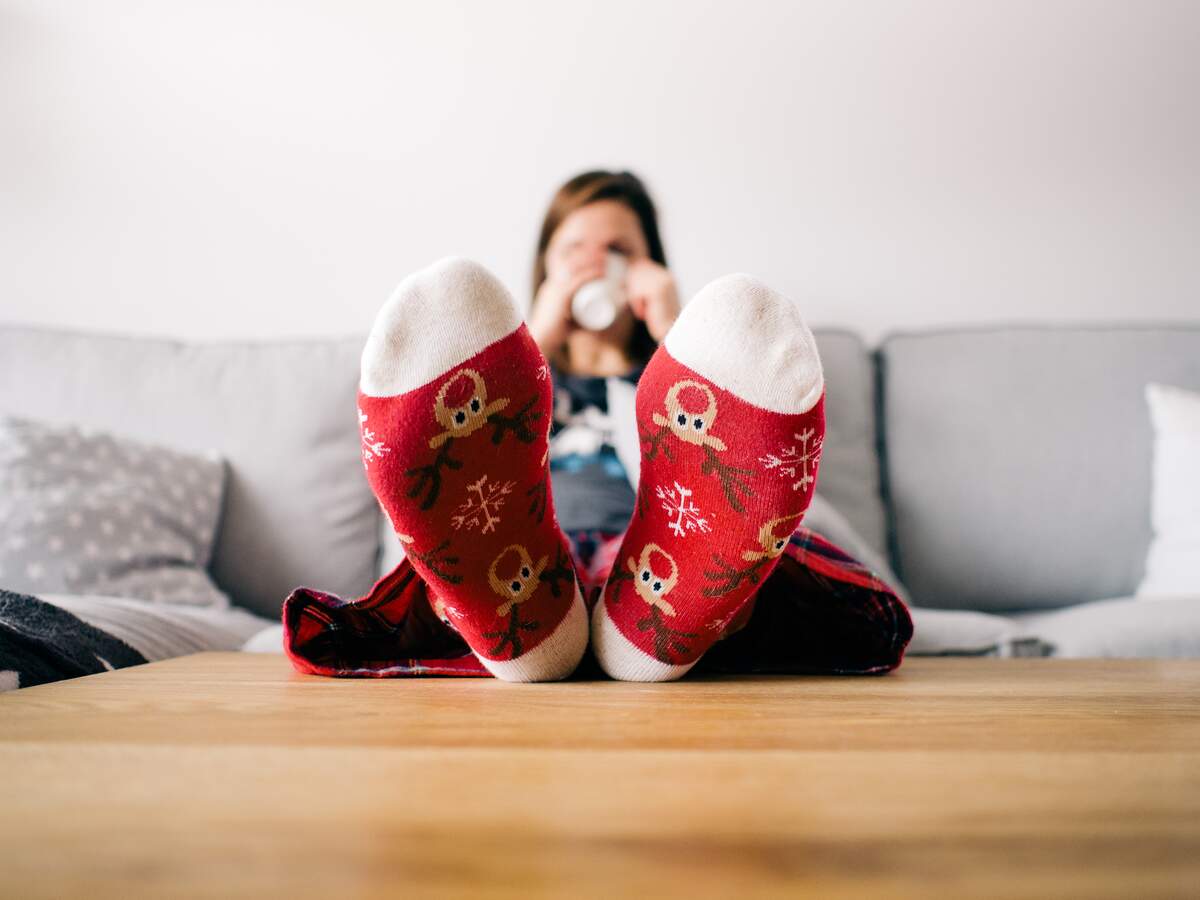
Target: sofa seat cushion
(1165, 627)
(961, 632)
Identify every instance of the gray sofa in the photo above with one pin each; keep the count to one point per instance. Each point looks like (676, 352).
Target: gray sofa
(1003, 473)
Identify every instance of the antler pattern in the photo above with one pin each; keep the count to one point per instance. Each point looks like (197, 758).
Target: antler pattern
(770, 547)
(617, 578)
(733, 478)
(521, 424)
(438, 563)
(561, 570)
(730, 578)
(655, 441)
(538, 495)
(429, 478)
(511, 635)
(666, 638)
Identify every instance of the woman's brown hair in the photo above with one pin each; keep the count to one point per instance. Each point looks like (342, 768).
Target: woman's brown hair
(588, 187)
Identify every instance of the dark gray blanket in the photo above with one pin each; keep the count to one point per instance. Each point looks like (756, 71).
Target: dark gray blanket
(41, 643)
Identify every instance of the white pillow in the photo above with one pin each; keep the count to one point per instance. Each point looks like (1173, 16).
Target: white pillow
(955, 632)
(1173, 563)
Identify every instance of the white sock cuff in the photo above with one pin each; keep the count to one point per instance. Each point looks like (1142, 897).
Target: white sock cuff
(752, 341)
(436, 319)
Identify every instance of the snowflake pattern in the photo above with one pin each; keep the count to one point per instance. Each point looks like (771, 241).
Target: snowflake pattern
(481, 510)
(799, 460)
(719, 625)
(678, 503)
(372, 446)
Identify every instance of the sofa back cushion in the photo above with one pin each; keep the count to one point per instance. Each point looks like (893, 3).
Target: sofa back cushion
(298, 509)
(1017, 460)
(282, 414)
(849, 475)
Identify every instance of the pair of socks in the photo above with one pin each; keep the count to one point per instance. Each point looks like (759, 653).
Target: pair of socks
(455, 404)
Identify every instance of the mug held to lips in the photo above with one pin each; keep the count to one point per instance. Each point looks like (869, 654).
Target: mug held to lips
(597, 303)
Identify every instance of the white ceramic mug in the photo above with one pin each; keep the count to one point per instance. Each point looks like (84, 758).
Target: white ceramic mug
(596, 304)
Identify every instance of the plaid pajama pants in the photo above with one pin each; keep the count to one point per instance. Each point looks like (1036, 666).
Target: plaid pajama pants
(818, 612)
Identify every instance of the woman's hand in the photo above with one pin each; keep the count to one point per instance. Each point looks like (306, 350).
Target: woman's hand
(653, 297)
(550, 318)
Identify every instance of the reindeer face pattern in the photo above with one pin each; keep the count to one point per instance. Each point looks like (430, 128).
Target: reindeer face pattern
(653, 586)
(518, 586)
(692, 425)
(467, 417)
(443, 611)
(771, 544)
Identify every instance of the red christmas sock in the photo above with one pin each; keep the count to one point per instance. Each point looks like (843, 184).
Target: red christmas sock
(454, 408)
(732, 417)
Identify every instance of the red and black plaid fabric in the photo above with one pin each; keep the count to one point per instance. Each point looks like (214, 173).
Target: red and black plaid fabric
(819, 612)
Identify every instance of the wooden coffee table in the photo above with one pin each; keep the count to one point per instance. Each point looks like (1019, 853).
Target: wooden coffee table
(226, 774)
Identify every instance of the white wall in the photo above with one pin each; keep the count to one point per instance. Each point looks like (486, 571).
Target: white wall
(248, 169)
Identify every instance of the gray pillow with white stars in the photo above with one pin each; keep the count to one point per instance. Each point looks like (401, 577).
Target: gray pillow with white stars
(88, 513)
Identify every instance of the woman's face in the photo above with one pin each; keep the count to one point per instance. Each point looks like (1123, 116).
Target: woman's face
(587, 234)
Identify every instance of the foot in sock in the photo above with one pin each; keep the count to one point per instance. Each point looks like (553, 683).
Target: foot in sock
(454, 409)
(731, 416)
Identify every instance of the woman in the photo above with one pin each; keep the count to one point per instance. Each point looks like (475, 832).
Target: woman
(592, 216)
(704, 564)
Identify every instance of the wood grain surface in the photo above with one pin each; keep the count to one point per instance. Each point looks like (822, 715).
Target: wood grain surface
(230, 774)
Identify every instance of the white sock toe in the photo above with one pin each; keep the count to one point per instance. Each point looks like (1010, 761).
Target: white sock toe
(554, 658)
(436, 319)
(751, 341)
(620, 659)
